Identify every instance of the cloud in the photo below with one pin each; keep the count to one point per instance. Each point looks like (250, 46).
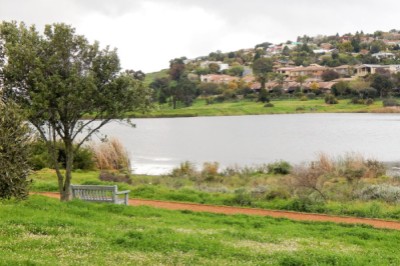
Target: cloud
(148, 33)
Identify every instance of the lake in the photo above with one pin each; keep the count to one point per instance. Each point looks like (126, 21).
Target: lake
(157, 145)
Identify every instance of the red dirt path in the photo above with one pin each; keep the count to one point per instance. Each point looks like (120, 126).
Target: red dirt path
(170, 205)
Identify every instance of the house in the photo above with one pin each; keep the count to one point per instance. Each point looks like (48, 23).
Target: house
(325, 46)
(219, 79)
(383, 55)
(365, 69)
(344, 70)
(312, 71)
(222, 66)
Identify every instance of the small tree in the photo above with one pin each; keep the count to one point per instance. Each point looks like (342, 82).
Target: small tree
(58, 78)
(14, 152)
(261, 68)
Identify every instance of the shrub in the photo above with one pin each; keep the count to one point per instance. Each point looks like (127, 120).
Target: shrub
(242, 198)
(277, 194)
(303, 98)
(311, 95)
(369, 101)
(390, 102)
(384, 192)
(300, 108)
(14, 144)
(330, 99)
(39, 157)
(356, 100)
(269, 105)
(185, 169)
(209, 171)
(279, 168)
(115, 177)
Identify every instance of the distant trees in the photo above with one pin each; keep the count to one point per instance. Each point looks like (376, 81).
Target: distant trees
(176, 87)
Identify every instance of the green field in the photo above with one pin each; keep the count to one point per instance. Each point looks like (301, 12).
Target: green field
(43, 231)
(200, 108)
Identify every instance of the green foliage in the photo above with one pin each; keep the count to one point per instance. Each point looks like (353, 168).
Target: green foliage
(390, 102)
(14, 152)
(329, 75)
(40, 158)
(382, 83)
(261, 68)
(269, 105)
(330, 99)
(263, 96)
(279, 168)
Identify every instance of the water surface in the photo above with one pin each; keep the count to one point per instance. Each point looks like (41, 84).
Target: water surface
(158, 145)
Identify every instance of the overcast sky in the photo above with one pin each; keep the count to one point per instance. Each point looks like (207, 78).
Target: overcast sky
(148, 33)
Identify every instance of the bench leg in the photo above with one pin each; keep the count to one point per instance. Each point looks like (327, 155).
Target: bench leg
(126, 199)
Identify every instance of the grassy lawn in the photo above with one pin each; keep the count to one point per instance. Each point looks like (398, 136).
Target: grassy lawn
(43, 231)
(200, 108)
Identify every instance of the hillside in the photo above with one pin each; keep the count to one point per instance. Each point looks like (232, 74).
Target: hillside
(43, 231)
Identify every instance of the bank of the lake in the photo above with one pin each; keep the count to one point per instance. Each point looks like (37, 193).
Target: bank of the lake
(245, 107)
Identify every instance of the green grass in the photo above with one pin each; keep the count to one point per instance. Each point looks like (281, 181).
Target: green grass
(200, 108)
(184, 190)
(44, 231)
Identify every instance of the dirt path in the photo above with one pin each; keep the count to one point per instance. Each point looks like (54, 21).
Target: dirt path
(170, 205)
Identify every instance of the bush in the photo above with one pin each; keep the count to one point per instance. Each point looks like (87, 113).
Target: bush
(384, 192)
(356, 100)
(311, 95)
(185, 169)
(369, 101)
(269, 105)
(277, 194)
(242, 198)
(14, 144)
(390, 102)
(330, 99)
(39, 157)
(114, 177)
(279, 168)
(303, 98)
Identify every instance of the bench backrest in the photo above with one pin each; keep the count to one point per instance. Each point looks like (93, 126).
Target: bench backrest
(94, 193)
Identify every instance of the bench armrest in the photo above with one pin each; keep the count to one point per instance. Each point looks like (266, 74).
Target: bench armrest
(123, 192)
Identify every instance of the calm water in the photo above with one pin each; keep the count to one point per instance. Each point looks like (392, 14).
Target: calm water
(158, 145)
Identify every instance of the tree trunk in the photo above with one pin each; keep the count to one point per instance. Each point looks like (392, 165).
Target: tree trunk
(65, 192)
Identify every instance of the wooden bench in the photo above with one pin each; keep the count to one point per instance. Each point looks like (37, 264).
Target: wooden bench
(99, 193)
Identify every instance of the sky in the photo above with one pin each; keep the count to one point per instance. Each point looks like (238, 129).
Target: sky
(149, 33)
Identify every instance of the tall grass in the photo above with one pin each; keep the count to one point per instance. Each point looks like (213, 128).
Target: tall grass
(111, 155)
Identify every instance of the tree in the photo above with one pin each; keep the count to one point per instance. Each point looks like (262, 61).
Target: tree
(214, 68)
(301, 79)
(58, 78)
(261, 68)
(329, 75)
(14, 152)
(382, 84)
(181, 89)
(346, 47)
